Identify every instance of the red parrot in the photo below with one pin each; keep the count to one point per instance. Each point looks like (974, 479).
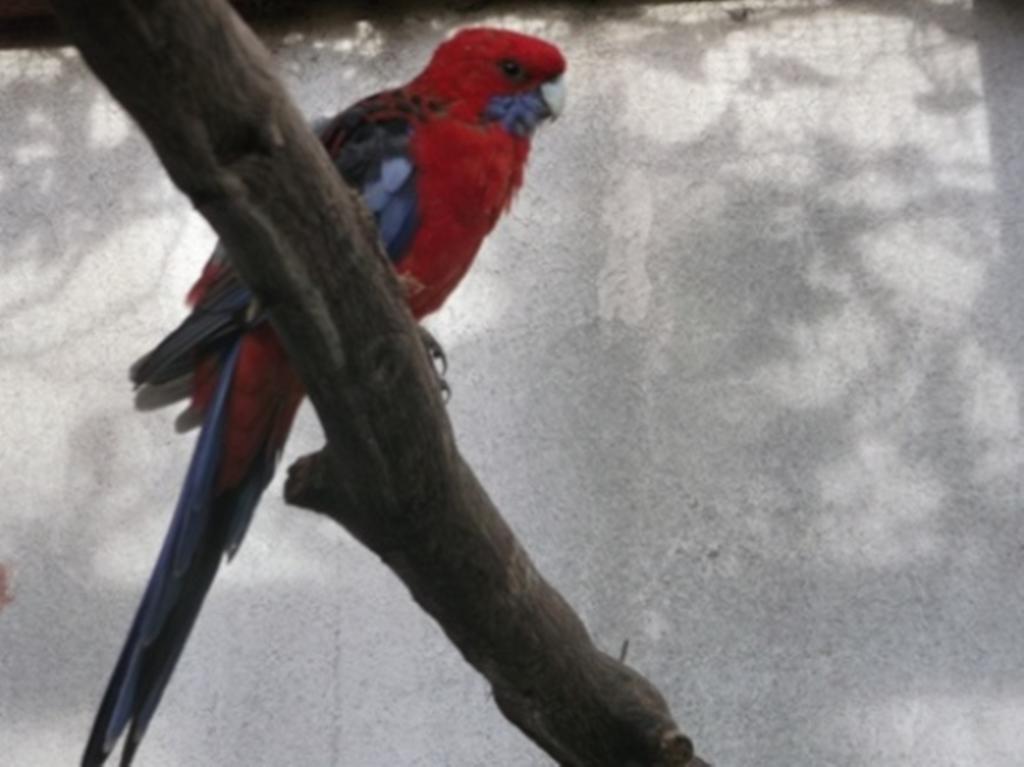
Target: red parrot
(436, 162)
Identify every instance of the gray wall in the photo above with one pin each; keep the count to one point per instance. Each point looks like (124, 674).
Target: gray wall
(742, 368)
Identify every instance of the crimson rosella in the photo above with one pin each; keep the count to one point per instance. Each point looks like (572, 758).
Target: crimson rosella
(436, 162)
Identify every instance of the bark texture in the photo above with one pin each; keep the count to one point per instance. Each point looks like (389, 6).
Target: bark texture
(202, 88)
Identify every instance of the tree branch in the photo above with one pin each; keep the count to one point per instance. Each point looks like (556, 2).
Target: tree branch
(201, 87)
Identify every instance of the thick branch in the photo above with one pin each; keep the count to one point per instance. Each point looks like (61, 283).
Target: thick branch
(201, 87)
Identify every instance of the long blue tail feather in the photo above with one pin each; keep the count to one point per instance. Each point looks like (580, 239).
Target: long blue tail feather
(194, 501)
(245, 500)
(203, 529)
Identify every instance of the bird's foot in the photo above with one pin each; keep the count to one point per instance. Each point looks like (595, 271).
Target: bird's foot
(438, 359)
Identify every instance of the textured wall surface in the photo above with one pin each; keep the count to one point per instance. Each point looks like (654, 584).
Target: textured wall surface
(743, 369)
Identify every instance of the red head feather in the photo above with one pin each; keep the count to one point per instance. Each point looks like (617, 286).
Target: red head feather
(480, 63)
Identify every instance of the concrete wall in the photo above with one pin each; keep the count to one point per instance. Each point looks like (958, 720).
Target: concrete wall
(743, 369)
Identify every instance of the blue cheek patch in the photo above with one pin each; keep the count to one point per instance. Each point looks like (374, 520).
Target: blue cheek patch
(518, 113)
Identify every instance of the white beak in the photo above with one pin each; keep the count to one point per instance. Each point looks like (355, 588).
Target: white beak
(553, 92)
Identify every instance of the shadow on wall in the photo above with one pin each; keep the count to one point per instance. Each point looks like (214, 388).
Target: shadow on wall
(6, 595)
(768, 421)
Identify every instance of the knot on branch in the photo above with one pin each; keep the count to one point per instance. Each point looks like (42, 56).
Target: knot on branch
(244, 140)
(305, 485)
(653, 738)
(386, 361)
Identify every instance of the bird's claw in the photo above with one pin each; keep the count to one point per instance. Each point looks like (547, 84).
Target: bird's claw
(439, 361)
(435, 351)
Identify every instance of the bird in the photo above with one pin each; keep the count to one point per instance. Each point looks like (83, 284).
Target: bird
(436, 162)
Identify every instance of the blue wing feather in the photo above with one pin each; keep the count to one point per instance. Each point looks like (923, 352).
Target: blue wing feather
(397, 222)
(370, 146)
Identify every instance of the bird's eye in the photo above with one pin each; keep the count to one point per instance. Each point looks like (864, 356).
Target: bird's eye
(511, 68)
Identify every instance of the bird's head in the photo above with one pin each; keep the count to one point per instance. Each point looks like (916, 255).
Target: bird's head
(494, 75)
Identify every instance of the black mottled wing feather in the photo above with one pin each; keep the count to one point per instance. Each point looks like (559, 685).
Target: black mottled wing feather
(216, 320)
(370, 146)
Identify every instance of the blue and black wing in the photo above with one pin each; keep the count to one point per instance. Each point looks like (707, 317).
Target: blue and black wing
(369, 144)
